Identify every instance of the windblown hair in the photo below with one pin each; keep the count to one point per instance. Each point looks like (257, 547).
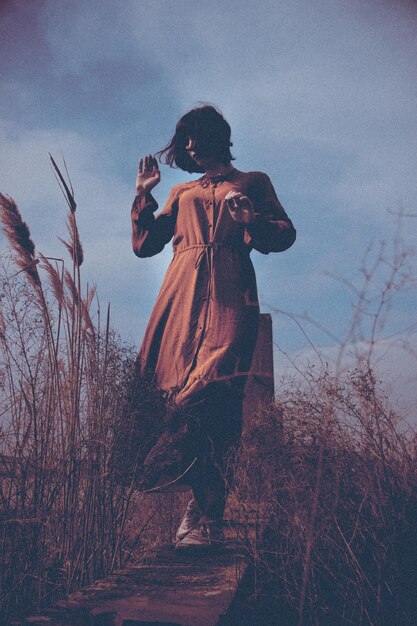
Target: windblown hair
(208, 127)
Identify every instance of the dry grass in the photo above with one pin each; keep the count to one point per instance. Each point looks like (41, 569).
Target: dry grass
(362, 567)
(67, 386)
(328, 476)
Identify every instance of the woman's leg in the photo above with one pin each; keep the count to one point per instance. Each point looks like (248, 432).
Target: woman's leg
(209, 491)
(220, 417)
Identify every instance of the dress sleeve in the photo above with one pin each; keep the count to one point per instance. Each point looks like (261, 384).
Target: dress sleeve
(272, 230)
(150, 233)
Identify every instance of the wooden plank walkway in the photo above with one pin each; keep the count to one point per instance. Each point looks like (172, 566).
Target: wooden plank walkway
(174, 589)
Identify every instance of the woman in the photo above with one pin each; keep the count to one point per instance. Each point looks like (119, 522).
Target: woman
(200, 339)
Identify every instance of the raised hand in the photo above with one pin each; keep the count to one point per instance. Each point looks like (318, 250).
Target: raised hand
(148, 175)
(240, 207)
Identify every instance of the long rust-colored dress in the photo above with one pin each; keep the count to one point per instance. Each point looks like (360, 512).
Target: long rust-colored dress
(204, 324)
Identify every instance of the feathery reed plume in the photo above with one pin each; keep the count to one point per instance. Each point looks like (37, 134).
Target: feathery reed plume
(91, 292)
(68, 193)
(69, 281)
(18, 234)
(74, 247)
(54, 279)
(86, 303)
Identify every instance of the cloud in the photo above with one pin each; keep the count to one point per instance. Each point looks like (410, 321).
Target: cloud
(320, 95)
(27, 175)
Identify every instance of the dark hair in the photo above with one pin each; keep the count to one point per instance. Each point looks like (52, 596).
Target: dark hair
(208, 127)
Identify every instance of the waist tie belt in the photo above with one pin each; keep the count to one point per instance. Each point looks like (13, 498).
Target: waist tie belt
(207, 250)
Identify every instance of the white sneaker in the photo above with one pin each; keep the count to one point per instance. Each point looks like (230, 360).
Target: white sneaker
(206, 535)
(189, 521)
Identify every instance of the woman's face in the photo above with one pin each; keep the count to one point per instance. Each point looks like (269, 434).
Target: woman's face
(197, 151)
(201, 152)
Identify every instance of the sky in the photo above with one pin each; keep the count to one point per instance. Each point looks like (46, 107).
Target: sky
(322, 96)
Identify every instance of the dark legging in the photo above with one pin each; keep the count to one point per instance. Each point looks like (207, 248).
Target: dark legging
(219, 415)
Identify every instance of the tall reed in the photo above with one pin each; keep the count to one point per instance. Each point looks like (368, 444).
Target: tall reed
(64, 377)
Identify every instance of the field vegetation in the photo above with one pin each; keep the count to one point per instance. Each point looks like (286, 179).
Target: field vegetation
(324, 494)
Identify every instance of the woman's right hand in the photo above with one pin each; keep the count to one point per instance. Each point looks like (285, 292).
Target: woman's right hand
(148, 175)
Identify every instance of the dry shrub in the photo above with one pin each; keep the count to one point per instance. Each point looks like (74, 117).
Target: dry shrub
(363, 545)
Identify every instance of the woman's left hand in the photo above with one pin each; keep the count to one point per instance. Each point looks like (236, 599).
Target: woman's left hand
(240, 207)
